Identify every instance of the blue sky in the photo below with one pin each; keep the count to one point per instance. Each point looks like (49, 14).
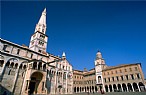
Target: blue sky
(117, 29)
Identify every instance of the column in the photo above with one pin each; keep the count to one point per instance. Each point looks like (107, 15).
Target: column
(138, 88)
(127, 88)
(132, 88)
(121, 87)
(108, 89)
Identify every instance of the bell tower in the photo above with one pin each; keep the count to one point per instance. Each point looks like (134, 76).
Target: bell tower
(39, 39)
(99, 66)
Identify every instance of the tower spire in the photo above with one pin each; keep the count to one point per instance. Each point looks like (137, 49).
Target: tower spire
(39, 39)
(41, 26)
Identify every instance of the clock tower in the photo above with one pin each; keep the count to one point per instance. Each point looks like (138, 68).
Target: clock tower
(99, 66)
(39, 39)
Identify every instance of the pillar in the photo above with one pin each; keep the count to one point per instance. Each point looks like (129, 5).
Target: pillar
(132, 88)
(138, 88)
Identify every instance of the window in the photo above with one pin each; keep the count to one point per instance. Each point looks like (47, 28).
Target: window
(31, 55)
(117, 78)
(113, 78)
(138, 76)
(120, 71)
(122, 78)
(39, 51)
(125, 70)
(42, 36)
(127, 77)
(116, 71)
(111, 72)
(132, 76)
(4, 48)
(130, 69)
(107, 73)
(135, 68)
(18, 51)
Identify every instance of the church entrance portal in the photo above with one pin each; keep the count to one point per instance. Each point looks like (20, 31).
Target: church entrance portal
(35, 83)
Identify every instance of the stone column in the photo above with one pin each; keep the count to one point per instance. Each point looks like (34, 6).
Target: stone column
(127, 88)
(132, 88)
(138, 88)
(121, 87)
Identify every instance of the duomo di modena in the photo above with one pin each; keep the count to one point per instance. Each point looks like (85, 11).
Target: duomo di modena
(32, 70)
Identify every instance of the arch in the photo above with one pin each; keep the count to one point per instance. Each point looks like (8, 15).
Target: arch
(36, 83)
(40, 66)
(110, 88)
(44, 67)
(12, 64)
(34, 65)
(1, 63)
(87, 89)
(129, 87)
(135, 87)
(20, 67)
(115, 87)
(8, 64)
(75, 89)
(124, 87)
(99, 79)
(80, 89)
(106, 88)
(119, 88)
(16, 65)
(13, 59)
(24, 67)
(92, 88)
(141, 86)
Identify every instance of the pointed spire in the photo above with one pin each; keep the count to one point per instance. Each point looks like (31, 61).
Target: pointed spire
(42, 20)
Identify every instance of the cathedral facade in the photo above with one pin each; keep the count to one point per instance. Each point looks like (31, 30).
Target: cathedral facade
(31, 70)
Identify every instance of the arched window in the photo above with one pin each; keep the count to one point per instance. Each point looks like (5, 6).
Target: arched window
(20, 66)
(40, 66)
(12, 64)
(8, 64)
(1, 63)
(24, 67)
(44, 67)
(16, 65)
(35, 65)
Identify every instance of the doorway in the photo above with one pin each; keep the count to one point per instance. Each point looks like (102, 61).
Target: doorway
(31, 87)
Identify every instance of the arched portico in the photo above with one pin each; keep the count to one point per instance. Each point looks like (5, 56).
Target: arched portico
(119, 88)
(129, 87)
(124, 87)
(141, 86)
(106, 88)
(110, 88)
(115, 88)
(135, 87)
